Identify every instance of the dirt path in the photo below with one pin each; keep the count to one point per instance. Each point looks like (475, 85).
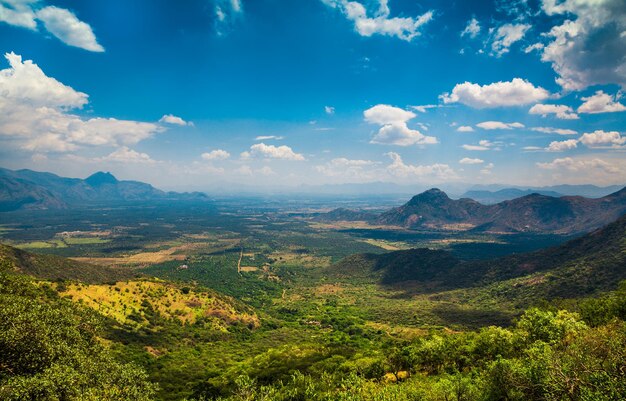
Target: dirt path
(239, 262)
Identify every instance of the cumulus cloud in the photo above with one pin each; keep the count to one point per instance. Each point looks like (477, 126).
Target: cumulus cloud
(465, 128)
(434, 171)
(472, 29)
(467, 160)
(329, 110)
(60, 22)
(560, 146)
(551, 130)
(601, 102)
(126, 155)
(68, 28)
(174, 120)
(272, 152)
(505, 36)
(493, 125)
(217, 154)
(588, 47)
(394, 129)
(579, 165)
(517, 92)
(602, 138)
(561, 111)
(380, 22)
(36, 108)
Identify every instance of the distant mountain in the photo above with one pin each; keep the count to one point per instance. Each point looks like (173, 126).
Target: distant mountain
(27, 189)
(588, 191)
(531, 213)
(489, 197)
(580, 267)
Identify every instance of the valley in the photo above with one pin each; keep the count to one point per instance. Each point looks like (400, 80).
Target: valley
(201, 294)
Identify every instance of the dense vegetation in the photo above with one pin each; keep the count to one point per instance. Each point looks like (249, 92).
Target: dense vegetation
(50, 348)
(547, 355)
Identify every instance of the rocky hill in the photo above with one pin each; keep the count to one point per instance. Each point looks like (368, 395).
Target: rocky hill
(530, 213)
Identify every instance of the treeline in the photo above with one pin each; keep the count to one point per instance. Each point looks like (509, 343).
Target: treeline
(547, 355)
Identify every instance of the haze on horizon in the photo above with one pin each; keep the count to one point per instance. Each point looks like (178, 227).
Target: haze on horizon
(283, 94)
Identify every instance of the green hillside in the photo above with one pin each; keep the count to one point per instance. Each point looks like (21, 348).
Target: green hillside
(594, 262)
(55, 268)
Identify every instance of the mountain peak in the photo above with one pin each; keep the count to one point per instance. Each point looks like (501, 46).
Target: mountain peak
(101, 178)
(433, 194)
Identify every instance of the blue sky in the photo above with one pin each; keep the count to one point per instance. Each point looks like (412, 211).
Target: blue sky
(194, 94)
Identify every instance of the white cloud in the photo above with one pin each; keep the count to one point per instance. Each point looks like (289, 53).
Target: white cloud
(60, 22)
(35, 113)
(18, 13)
(249, 171)
(384, 114)
(505, 36)
(467, 160)
(217, 154)
(487, 169)
(68, 28)
(588, 48)
(226, 12)
(493, 125)
(405, 28)
(483, 144)
(465, 128)
(423, 108)
(434, 171)
(126, 155)
(329, 110)
(472, 29)
(560, 146)
(601, 102)
(517, 92)
(266, 137)
(561, 111)
(347, 168)
(272, 152)
(551, 130)
(475, 147)
(533, 47)
(602, 138)
(579, 165)
(175, 120)
(532, 148)
(25, 83)
(394, 130)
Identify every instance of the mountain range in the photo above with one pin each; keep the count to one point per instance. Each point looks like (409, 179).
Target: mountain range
(27, 189)
(433, 209)
(593, 262)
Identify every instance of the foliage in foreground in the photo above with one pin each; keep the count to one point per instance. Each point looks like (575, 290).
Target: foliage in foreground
(547, 355)
(50, 349)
